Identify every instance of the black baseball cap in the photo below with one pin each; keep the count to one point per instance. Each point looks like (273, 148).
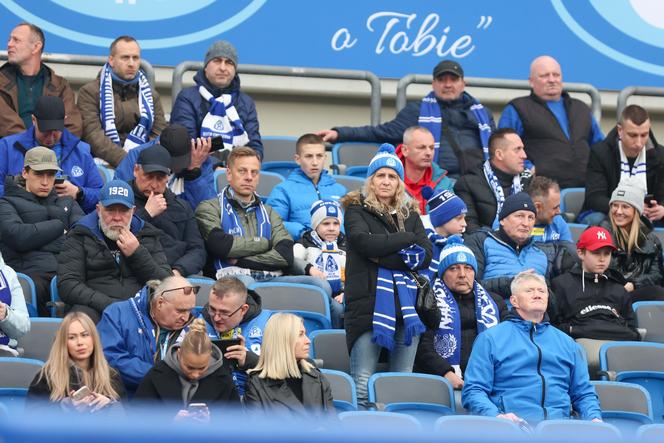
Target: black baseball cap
(50, 113)
(448, 67)
(155, 159)
(176, 140)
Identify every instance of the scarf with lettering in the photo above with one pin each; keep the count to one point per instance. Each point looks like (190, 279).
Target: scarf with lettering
(636, 175)
(222, 120)
(494, 184)
(330, 261)
(141, 132)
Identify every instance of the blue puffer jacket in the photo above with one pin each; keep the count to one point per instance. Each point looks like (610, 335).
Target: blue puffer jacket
(195, 191)
(128, 336)
(190, 109)
(75, 161)
(532, 370)
(292, 199)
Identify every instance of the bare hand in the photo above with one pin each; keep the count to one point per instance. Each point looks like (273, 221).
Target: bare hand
(237, 352)
(328, 135)
(200, 150)
(457, 382)
(99, 402)
(510, 416)
(127, 242)
(597, 420)
(315, 272)
(66, 188)
(156, 204)
(629, 286)
(82, 404)
(653, 212)
(339, 298)
(3, 311)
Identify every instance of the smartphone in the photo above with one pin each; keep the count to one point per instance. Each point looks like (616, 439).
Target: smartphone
(648, 198)
(81, 393)
(224, 344)
(197, 408)
(59, 180)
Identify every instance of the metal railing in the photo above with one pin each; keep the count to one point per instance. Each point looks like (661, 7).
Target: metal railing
(286, 71)
(87, 60)
(586, 88)
(635, 90)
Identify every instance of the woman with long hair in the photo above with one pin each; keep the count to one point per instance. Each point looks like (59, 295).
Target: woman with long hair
(76, 374)
(192, 372)
(285, 381)
(387, 244)
(639, 254)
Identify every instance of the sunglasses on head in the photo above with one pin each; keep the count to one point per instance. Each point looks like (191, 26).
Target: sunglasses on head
(186, 289)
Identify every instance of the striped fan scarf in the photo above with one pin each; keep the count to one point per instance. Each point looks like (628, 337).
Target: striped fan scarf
(222, 120)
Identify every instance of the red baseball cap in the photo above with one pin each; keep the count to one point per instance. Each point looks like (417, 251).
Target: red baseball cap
(595, 238)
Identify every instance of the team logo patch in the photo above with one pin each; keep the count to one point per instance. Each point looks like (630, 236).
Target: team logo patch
(391, 162)
(445, 345)
(255, 332)
(76, 171)
(461, 257)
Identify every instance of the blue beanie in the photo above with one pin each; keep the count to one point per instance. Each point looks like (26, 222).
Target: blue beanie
(455, 252)
(520, 201)
(443, 206)
(322, 209)
(385, 158)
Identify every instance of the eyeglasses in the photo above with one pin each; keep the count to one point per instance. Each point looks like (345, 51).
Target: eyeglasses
(186, 289)
(214, 313)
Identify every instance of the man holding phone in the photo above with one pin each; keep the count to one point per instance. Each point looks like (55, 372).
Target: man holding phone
(235, 323)
(80, 178)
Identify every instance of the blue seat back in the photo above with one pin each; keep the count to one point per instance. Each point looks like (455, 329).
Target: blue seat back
(29, 293)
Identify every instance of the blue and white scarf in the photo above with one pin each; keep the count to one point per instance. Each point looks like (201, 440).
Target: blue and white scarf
(635, 176)
(330, 261)
(6, 298)
(431, 119)
(447, 341)
(438, 242)
(230, 220)
(222, 120)
(141, 132)
(494, 184)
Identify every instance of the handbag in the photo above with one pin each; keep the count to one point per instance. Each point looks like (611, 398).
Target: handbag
(425, 303)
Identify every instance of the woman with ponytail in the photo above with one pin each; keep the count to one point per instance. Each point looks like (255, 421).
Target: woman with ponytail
(191, 373)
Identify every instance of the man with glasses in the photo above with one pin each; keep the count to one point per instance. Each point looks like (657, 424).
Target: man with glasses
(109, 254)
(137, 333)
(233, 312)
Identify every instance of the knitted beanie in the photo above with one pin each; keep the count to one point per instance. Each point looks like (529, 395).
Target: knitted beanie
(455, 252)
(322, 209)
(443, 206)
(629, 194)
(520, 201)
(385, 158)
(221, 48)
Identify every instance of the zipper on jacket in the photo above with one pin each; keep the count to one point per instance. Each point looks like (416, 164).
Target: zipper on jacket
(533, 329)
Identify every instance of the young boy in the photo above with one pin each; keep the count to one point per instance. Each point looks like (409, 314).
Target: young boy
(447, 216)
(321, 252)
(590, 300)
(293, 197)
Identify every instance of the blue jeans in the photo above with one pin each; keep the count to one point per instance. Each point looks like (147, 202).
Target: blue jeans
(364, 359)
(336, 308)
(592, 218)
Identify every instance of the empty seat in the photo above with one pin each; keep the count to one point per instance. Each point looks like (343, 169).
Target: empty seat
(284, 169)
(478, 428)
(18, 372)
(577, 430)
(351, 183)
(398, 387)
(29, 293)
(204, 292)
(347, 154)
(278, 148)
(330, 347)
(343, 389)
(291, 296)
(650, 434)
(571, 202)
(650, 316)
(37, 342)
(363, 421)
(267, 181)
(625, 397)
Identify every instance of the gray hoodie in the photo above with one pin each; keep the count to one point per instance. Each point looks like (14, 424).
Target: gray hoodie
(189, 387)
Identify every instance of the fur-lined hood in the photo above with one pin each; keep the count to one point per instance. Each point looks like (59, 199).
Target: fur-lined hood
(356, 198)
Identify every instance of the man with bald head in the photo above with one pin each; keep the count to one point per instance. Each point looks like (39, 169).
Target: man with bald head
(136, 333)
(557, 130)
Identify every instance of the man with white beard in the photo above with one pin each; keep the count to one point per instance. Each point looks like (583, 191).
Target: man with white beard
(109, 254)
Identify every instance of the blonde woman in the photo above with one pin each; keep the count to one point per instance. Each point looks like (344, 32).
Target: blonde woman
(387, 243)
(639, 254)
(284, 381)
(192, 372)
(76, 374)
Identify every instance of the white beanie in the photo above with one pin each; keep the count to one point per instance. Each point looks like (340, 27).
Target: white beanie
(322, 209)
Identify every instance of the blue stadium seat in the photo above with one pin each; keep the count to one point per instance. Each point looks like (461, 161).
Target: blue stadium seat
(313, 321)
(29, 293)
(105, 173)
(571, 202)
(577, 430)
(650, 434)
(577, 229)
(365, 420)
(343, 390)
(18, 372)
(330, 347)
(267, 181)
(292, 296)
(624, 405)
(12, 400)
(351, 183)
(56, 304)
(650, 316)
(38, 341)
(284, 169)
(204, 293)
(478, 428)
(278, 148)
(354, 153)
(357, 171)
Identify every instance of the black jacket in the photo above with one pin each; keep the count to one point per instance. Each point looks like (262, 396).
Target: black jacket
(275, 397)
(88, 273)
(644, 266)
(476, 193)
(592, 306)
(428, 361)
(162, 384)
(181, 239)
(373, 241)
(32, 228)
(603, 174)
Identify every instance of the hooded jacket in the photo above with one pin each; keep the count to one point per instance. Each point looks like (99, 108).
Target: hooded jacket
(128, 335)
(89, 274)
(166, 383)
(32, 229)
(190, 109)
(592, 306)
(75, 161)
(292, 199)
(530, 369)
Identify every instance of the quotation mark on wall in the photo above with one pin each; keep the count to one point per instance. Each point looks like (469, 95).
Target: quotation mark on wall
(485, 22)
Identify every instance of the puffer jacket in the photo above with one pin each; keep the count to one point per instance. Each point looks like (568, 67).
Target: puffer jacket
(592, 306)
(530, 369)
(32, 229)
(190, 109)
(373, 241)
(89, 275)
(292, 199)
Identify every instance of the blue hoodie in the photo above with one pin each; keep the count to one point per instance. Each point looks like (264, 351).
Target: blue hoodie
(74, 159)
(292, 199)
(532, 370)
